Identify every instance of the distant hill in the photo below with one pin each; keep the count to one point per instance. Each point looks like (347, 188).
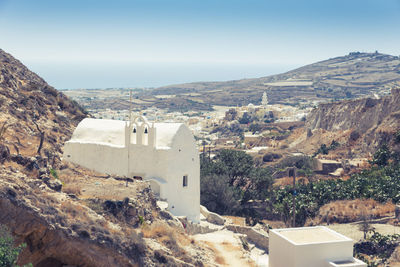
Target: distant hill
(354, 75)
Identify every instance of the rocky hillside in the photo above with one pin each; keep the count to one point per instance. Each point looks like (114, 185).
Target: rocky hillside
(354, 75)
(66, 215)
(36, 119)
(361, 114)
(363, 124)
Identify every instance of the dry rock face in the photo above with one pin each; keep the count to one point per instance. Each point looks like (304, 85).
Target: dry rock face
(374, 120)
(50, 240)
(362, 114)
(36, 118)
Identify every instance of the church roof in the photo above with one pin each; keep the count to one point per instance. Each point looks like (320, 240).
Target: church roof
(112, 132)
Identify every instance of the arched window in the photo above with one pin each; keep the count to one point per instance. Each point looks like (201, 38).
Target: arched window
(134, 134)
(146, 135)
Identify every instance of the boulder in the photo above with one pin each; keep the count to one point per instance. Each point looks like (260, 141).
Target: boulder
(4, 153)
(56, 185)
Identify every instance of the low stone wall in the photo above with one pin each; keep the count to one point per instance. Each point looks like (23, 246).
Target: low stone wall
(195, 228)
(257, 236)
(212, 217)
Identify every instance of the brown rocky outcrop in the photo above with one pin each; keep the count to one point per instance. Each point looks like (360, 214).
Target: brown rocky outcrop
(361, 114)
(41, 218)
(374, 120)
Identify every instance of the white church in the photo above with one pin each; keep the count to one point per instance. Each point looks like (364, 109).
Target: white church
(164, 154)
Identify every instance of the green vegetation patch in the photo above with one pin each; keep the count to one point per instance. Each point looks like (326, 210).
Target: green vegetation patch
(8, 252)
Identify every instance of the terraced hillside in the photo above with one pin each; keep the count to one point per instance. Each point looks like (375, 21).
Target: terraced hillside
(356, 74)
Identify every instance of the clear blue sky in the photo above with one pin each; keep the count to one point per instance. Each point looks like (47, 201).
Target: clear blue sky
(117, 43)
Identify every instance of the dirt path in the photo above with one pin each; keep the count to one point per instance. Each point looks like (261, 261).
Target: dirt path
(228, 247)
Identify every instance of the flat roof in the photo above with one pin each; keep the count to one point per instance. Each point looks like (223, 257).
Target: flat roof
(112, 132)
(310, 235)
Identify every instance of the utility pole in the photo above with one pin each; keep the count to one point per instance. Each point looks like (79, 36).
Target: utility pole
(204, 149)
(209, 152)
(130, 133)
(130, 105)
(292, 172)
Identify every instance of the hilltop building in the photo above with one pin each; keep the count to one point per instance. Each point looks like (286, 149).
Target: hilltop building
(165, 154)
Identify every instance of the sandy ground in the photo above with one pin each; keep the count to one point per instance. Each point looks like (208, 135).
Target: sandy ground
(229, 247)
(352, 231)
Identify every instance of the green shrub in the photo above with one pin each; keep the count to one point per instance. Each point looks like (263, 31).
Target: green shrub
(218, 195)
(141, 220)
(382, 156)
(245, 119)
(230, 180)
(254, 127)
(324, 149)
(377, 245)
(397, 137)
(9, 253)
(54, 173)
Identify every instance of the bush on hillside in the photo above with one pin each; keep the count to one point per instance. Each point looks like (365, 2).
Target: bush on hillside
(9, 253)
(230, 180)
(218, 196)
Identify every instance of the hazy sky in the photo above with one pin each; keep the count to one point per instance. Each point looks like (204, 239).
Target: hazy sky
(116, 43)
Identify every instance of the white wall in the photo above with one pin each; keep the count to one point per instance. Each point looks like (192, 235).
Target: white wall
(281, 252)
(284, 253)
(317, 255)
(99, 157)
(184, 160)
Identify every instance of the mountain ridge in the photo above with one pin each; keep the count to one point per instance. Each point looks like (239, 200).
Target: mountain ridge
(354, 75)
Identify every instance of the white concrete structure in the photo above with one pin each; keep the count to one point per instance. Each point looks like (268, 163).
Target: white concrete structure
(163, 153)
(310, 247)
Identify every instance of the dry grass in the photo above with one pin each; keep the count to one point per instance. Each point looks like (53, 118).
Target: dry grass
(75, 211)
(344, 211)
(170, 237)
(165, 233)
(49, 197)
(71, 182)
(72, 189)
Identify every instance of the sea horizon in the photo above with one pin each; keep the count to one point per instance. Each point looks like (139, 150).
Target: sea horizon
(71, 76)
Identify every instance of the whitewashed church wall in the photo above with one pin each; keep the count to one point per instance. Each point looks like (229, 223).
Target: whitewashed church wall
(184, 160)
(102, 158)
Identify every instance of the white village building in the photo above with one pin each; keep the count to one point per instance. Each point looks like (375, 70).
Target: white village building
(316, 246)
(165, 154)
